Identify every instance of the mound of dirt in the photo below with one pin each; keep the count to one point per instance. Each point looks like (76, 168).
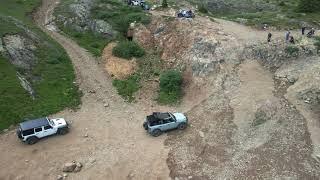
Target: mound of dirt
(117, 67)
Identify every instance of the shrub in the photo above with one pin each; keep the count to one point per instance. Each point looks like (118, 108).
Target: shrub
(203, 9)
(127, 50)
(291, 50)
(164, 3)
(317, 43)
(309, 6)
(170, 87)
(126, 88)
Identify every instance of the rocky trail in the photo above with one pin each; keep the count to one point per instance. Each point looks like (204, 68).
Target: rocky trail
(240, 128)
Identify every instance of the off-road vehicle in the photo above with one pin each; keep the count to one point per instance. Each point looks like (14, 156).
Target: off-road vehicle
(159, 122)
(33, 130)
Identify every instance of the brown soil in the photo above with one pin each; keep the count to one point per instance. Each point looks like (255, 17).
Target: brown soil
(117, 67)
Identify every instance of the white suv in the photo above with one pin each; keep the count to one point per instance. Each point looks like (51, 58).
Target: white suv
(31, 131)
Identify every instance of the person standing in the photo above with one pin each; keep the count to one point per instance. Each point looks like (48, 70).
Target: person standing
(287, 36)
(291, 40)
(269, 36)
(302, 30)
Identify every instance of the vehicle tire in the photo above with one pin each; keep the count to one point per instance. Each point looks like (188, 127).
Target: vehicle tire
(145, 125)
(32, 140)
(156, 132)
(63, 131)
(182, 126)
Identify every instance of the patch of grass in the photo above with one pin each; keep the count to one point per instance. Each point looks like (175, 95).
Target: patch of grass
(94, 43)
(127, 50)
(150, 65)
(126, 88)
(170, 87)
(283, 16)
(317, 43)
(119, 14)
(54, 89)
(202, 8)
(291, 50)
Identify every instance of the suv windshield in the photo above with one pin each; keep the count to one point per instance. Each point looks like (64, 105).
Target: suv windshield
(51, 122)
(172, 116)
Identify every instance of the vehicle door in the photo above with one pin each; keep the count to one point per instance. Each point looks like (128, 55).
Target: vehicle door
(38, 132)
(48, 130)
(169, 123)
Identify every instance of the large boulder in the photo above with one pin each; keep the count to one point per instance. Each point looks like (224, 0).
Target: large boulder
(20, 50)
(69, 167)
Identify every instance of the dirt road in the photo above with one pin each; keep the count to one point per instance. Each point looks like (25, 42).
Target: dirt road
(117, 147)
(220, 143)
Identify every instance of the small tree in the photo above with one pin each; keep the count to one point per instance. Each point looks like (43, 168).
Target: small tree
(309, 6)
(170, 87)
(164, 3)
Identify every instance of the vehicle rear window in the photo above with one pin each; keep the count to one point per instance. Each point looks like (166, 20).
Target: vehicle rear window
(28, 132)
(38, 129)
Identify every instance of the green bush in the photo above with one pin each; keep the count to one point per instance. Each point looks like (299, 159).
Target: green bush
(309, 6)
(317, 43)
(202, 8)
(127, 50)
(291, 50)
(170, 87)
(164, 3)
(126, 88)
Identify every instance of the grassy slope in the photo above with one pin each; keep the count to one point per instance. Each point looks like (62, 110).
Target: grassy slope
(55, 90)
(119, 16)
(284, 17)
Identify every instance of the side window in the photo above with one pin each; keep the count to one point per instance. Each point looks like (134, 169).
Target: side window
(38, 129)
(27, 132)
(47, 127)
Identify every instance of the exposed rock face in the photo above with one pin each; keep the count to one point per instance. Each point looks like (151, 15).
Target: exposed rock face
(26, 85)
(20, 50)
(80, 19)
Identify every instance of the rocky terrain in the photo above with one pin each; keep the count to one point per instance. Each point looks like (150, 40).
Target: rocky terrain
(252, 106)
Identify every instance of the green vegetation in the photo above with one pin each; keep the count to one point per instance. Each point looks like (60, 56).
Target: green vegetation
(281, 14)
(202, 8)
(54, 88)
(164, 4)
(170, 87)
(126, 88)
(309, 6)
(291, 50)
(317, 43)
(260, 118)
(127, 50)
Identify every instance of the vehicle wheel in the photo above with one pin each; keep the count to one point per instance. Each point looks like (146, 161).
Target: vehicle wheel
(156, 132)
(63, 131)
(32, 140)
(145, 126)
(182, 126)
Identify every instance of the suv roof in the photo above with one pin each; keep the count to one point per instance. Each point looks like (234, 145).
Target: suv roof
(34, 123)
(157, 116)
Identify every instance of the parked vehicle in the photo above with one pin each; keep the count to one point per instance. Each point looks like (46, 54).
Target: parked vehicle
(185, 13)
(158, 122)
(33, 130)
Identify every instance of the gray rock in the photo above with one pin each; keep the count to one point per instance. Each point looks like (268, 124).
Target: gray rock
(1, 46)
(201, 134)
(65, 175)
(26, 85)
(101, 27)
(189, 177)
(69, 167)
(106, 105)
(78, 167)
(59, 177)
(20, 51)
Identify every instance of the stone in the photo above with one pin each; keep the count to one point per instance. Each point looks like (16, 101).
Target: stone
(59, 177)
(201, 134)
(65, 175)
(5, 130)
(183, 166)
(26, 160)
(69, 167)
(106, 105)
(92, 161)
(189, 177)
(78, 167)
(86, 135)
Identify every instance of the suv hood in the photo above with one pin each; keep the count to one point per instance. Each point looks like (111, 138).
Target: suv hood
(59, 122)
(180, 117)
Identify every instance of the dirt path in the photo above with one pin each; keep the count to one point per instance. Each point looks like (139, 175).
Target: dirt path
(117, 147)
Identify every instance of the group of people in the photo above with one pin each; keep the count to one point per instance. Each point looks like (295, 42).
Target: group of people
(289, 38)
